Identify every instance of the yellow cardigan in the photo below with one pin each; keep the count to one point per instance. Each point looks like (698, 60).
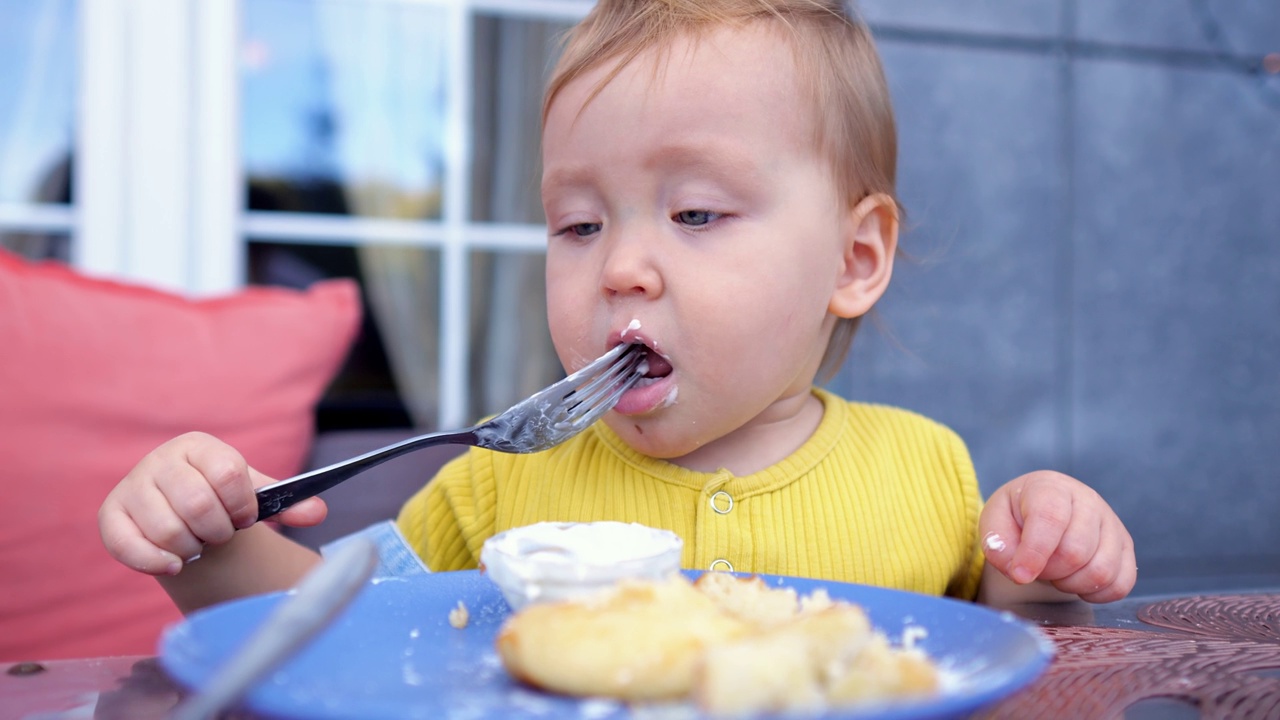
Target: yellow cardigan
(877, 495)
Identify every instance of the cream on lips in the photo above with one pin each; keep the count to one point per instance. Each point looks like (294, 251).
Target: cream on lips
(657, 371)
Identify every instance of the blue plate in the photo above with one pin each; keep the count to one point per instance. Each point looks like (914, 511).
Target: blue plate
(393, 654)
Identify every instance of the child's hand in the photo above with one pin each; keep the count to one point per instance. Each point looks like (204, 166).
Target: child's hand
(1048, 527)
(191, 491)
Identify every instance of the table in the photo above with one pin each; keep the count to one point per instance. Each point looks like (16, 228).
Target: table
(1204, 656)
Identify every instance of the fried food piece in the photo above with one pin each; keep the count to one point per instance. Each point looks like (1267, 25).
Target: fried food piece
(749, 599)
(824, 658)
(769, 672)
(882, 673)
(635, 641)
(733, 645)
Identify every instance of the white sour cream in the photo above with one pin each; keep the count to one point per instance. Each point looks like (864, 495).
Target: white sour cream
(554, 560)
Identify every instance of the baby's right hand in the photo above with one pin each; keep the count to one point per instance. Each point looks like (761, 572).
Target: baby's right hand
(191, 491)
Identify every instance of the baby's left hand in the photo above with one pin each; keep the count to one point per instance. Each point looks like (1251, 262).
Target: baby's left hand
(1049, 527)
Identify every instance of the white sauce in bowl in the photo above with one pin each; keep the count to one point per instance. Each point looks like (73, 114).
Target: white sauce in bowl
(556, 560)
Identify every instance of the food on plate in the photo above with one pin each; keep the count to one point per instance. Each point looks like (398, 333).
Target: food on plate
(754, 602)
(556, 560)
(640, 640)
(733, 645)
(458, 616)
(825, 658)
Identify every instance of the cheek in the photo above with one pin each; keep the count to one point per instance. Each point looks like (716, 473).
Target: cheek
(771, 291)
(568, 301)
(785, 312)
(560, 316)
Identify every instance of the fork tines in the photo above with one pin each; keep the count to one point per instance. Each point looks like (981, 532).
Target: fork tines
(594, 396)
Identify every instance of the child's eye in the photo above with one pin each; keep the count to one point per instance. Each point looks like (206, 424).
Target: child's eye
(581, 229)
(696, 218)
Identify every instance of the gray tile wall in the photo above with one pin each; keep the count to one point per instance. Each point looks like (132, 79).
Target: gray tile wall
(1093, 190)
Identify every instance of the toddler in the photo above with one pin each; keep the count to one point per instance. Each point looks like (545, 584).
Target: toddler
(718, 185)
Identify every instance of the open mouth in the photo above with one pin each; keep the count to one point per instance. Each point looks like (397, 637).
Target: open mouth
(655, 366)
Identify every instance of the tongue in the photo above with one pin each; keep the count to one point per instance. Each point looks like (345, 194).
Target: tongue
(658, 365)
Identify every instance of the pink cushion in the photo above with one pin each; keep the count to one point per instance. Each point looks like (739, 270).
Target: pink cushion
(95, 374)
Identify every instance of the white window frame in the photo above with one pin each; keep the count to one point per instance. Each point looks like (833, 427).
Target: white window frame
(35, 218)
(159, 185)
(157, 182)
(30, 217)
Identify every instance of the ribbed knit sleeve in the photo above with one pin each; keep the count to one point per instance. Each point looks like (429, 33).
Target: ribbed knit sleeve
(922, 488)
(965, 584)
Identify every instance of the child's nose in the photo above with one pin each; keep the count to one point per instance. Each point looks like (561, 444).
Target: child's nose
(630, 267)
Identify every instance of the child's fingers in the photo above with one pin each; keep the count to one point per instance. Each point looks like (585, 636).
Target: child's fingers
(1110, 574)
(1046, 510)
(1079, 544)
(311, 511)
(999, 533)
(1098, 572)
(194, 502)
(125, 542)
(230, 477)
(1124, 582)
(160, 524)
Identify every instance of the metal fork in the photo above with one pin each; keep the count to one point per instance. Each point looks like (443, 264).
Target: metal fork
(541, 421)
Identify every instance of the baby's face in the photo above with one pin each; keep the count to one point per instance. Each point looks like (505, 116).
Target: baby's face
(689, 211)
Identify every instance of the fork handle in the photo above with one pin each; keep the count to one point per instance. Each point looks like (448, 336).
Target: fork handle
(284, 494)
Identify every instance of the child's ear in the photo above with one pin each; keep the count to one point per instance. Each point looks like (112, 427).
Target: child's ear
(870, 241)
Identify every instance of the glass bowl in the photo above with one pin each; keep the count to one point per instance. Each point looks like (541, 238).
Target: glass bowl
(557, 560)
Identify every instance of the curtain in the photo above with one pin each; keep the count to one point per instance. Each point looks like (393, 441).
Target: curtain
(387, 72)
(510, 348)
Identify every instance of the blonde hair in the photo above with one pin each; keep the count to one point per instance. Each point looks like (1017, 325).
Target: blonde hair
(840, 75)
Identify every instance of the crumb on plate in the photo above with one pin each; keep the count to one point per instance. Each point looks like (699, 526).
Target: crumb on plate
(459, 616)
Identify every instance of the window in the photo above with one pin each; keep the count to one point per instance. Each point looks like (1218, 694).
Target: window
(397, 142)
(282, 141)
(37, 129)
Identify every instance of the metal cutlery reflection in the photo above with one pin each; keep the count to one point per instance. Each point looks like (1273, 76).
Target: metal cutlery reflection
(541, 421)
(314, 603)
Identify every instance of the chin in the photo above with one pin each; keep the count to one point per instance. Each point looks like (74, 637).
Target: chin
(650, 437)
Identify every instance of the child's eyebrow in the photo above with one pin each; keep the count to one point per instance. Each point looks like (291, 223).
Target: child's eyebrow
(711, 158)
(566, 180)
(719, 161)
